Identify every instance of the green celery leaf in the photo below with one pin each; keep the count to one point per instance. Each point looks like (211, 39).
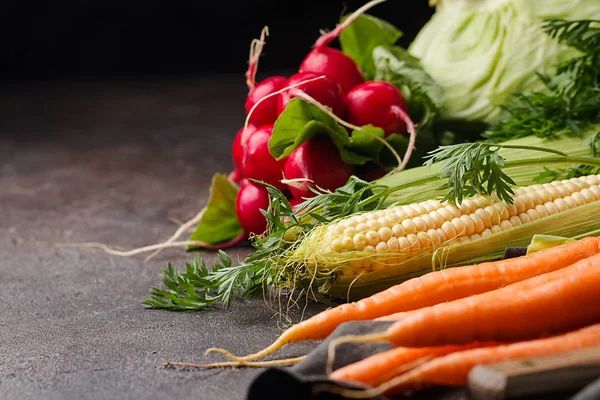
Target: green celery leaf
(219, 222)
(362, 36)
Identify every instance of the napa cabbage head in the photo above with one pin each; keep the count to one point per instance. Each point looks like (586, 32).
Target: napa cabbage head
(483, 51)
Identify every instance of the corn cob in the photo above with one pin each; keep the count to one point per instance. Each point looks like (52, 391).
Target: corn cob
(522, 175)
(372, 250)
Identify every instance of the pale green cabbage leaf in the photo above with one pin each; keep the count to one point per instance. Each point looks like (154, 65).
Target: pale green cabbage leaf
(483, 51)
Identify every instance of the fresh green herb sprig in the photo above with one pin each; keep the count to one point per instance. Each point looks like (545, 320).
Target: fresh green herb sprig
(198, 287)
(571, 97)
(478, 168)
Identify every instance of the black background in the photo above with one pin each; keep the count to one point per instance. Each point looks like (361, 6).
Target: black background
(119, 38)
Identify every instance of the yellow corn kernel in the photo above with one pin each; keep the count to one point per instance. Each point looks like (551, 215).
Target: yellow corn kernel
(551, 208)
(360, 241)
(533, 214)
(403, 244)
(372, 238)
(381, 247)
(373, 224)
(424, 239)
(362, 227)
(420, 224)
(541, 210)
(588, 194)
(579, 199)
(596, 191)
(347, 243)
(429, 221)
(479, 225)
(398, 230)
(350, 231)
(515, 221)
(415, 243)
(496, 229)
(469, 224)
(485, 217)
(435, 237)
(524, 217)
(507, 224)
(393, 244)
(385, 233)
(409, 226)
(337, 246)
(459, 227)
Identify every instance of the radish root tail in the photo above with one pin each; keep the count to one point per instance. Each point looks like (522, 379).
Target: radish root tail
(413, 136)
(182, 229)
(153, 247)
(326, 38)
(256, 48)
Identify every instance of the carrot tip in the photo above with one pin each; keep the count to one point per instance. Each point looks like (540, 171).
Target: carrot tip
(221, 351)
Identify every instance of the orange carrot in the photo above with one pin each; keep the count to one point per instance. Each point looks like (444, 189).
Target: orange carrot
(384, 366)
(554, 302)
(392, 317)
(453, 369)
(433, 288)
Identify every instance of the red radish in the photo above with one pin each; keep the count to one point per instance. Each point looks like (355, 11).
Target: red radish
(324, 90)
(317, 160)
(377, 103)
(235, 176)
(258, 163)
(249, 201)
(335, 65)
(237, 148)
(266, 112)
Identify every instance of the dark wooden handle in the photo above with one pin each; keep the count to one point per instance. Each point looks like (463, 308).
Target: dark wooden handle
(512, 379)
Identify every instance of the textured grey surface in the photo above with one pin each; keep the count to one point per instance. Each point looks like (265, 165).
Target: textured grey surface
(111, 163)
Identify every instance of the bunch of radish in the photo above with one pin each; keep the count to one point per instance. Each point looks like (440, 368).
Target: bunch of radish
(333, 80)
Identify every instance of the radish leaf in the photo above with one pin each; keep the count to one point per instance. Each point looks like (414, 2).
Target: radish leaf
(219, 223)
(301, 121)
(362, 36)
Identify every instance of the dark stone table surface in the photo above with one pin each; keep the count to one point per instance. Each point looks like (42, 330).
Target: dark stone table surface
(112, 162)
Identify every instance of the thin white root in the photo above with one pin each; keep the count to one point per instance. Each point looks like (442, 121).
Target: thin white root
(413, 136)
(161, 246)
(297, 182)
(256, 48)
(254, 364)
(182, 229)
(176, 221)
(133, 252)
(326, 38)
(247, 122)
